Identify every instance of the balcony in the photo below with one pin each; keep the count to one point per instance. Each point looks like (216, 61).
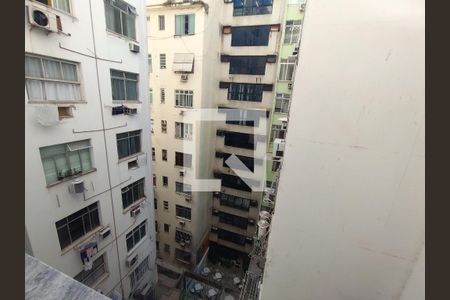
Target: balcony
(252, 7)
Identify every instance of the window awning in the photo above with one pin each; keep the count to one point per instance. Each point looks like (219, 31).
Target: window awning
(183, 62)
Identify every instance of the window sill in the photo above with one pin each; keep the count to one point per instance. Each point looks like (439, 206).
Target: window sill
(177, 106)
(121, 36)
(134, 205)
(56, 10)
(127, 101)
(82, 239)
(181, 35)
(59, 102)
(131, 157)
(71, 178)
(183, 261)
(183, 219)
(184, 195)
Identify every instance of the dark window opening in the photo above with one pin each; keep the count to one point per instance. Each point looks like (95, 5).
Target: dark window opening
(250, 35)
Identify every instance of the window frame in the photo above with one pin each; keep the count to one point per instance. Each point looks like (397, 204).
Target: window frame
(139, 272)
(185, 157)
(183, 212)
(184, 131)
(289, 31)
(186, 25)
(182, 191)
(284, 101)
(121, 11)
(245, 92)
(128, 138)
(161, 22)
(285, 63)
(163, 126)
(183, 258)
(125, 79)
(162, 61)
(140, 186)
(183, 98)
(131, 235)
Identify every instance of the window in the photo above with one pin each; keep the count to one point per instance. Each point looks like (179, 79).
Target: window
(166, 248)
(163, 126)
(233, 220)
(90, 277)
(282, 102)
(275, 166)
(252, 7)
(156, 226)
(77, 225)
(182, 255)
(166, 205)
(133, 193)
(292, 31)
(120, 18)
(250, 35)
(244, 117)
(234, 201)
(166, 227)
(165, 180)
(50, 79)
(235, 182)
(183, 131)
(162, 61)
(153, 154)
(184, 98)
(249, 162)
(183, 63)
(183, 212)
(163, 96)
(128, 143)
(182, 236)
(287, 68)
(66, 160)
(245, 92)
(164, 154)
(154, 180)
(155, 203)
(277, 132)
(183, 188)
(63, 5)
(150, 64)
(152, 123)
(183, 159)
(150, 96)
(162, 25)
(136, 235)
(138, 273)
(124, 85)
(251, 65)
(231, 237)
(240, 140)
(65, 112)
(184, 24)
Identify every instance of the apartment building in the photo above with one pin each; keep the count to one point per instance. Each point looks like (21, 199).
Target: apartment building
(287, 64)
(89, 197)
(209, 55)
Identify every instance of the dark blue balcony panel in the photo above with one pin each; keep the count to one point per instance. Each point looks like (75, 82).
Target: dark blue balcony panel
(250, 35)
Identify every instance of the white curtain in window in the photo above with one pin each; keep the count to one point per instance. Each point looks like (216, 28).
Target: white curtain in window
(52, 69)
(69, 72)
(34, 89)
(33, 67)
(62, 5)
(128, 25)
(49, 170)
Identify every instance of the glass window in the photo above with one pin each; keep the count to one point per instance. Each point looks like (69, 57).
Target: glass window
(150, 64)
(252, 7)
(164, 126)
(245, 92)
(90, 277)
(184, 24)
(292, 31)
(282, 102)
(133, 193)
(183, 130)
(250, 35)
(184, 98)
(166, 227)
(135, 235)
(66, 160)
(287, 68)
(128, 143)
(182, 255)
(162, 61)
(251, 65)
(77, 225)
(163, 95)
(231, 237)
(124, 85)
(183, 159)
(165, 180)
(183, 212)
(234, 201)
(51, 79)
(138, 273)
(233, 220)
(183, 188)
(162, 23)
(120, 18)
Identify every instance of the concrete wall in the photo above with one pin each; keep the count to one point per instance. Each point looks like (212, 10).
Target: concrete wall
(349, 220)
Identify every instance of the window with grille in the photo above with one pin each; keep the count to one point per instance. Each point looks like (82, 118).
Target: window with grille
(153, 154)
(138, 274)
(183, 212)
(234, 201)
(136, 235)
(150, 64)
(162, 61)
(184, 98)
(164, 154)
(66, 160)
(245, 92)
(292, 31)
(124, 85)
(163, 95)
(51, 79)
(183, 188)
(90, 277)
(185, 24)
(250, 65)
(164, 126)
(120, 18)
(233, 220)
(182, 236)
(277, 132)
(282, 102)
(182, 255)
(166, 205)
(183, 131)
(287, 68)
(183, 159)
(133, 193)
(128, 143)
(77, 225)
(162, 23)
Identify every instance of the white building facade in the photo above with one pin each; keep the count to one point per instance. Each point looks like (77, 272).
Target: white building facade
(89, 197)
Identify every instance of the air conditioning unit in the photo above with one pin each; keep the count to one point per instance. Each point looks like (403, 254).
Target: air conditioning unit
(182, 223)
(76, 186)
(130, 111)
(105, 232)
(40, 17)
(284, 125)
(278, 147)
(182, 244)
(184, 77)
(182, 173)
(135, 212)
(302, 7)
(290, 85)
(131, 260)
(134, 47)
(181, 112)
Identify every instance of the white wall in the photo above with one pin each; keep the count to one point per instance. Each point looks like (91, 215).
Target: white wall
(349, 220)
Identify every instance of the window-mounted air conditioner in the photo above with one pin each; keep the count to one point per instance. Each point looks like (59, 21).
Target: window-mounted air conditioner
(130, 111)
(131, 260)
(182, 244)
(76, 186)
(135, 212)
(182, 223)
(134, 47)
(40, 17)
(105, 232)
(184, 77)
(290, 85)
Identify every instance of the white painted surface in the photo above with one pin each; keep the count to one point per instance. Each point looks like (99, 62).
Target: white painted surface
(349, 220)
